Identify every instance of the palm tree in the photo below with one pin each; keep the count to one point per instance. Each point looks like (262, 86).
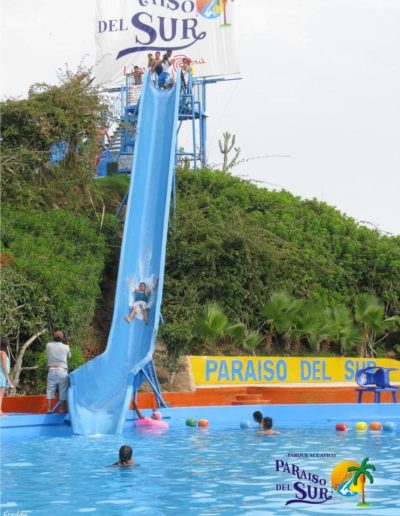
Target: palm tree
(369, 312)
(306, 321)
(240, 334)
(295, 319)
(251, 340)
(211, 324)
(349, 338)
(237, 331)
(325, 333)
(362, 473)
(278, 312)
(336, 326)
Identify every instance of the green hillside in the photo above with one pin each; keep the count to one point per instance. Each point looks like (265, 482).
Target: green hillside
(236, 244)
(248, 270)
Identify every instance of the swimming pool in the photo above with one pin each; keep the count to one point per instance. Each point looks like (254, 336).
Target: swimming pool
(194, 471)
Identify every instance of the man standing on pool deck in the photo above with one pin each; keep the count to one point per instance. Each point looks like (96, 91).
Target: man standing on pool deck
(58, 353)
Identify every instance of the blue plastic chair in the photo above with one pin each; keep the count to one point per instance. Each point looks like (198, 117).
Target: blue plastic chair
(376, 380)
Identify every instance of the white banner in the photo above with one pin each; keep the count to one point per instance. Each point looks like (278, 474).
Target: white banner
(128, 30)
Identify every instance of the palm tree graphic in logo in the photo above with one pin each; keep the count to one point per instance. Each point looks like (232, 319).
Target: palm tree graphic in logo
(360, 472)
(212, 9)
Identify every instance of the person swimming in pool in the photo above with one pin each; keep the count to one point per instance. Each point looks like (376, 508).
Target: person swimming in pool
(141, 298)
(267, 427)
(258, 418)
(125, 459)
(156, 415)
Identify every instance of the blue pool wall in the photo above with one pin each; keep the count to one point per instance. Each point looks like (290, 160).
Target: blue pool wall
(220, 417)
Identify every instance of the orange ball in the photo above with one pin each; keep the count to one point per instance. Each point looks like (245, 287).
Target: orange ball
(376, 426)
(203, 423)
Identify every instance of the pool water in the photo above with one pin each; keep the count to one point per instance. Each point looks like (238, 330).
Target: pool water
(193, 471)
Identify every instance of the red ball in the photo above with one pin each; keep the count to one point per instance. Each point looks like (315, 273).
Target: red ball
(341, 427)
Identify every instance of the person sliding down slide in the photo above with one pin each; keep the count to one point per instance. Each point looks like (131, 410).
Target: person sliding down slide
(141, 305)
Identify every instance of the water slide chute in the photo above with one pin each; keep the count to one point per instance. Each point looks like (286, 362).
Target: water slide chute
(101, 389)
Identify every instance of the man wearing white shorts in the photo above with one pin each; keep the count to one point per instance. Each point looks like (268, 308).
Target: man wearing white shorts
(58, 353)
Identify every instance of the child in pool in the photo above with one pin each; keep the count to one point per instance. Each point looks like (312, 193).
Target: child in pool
(156, 415)
(258, 418)
(125, 457)
(267, 427)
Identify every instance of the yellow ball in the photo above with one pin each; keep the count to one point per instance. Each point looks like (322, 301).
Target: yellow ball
(361, 426)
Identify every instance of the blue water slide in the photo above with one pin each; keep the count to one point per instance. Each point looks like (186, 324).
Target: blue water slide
(101, 389)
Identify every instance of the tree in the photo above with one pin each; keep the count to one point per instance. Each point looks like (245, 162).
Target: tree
(305, 322)
(68, 114)
(362, 474)
(369, 313)
(49, 282)
(336, 325)
(212, 327)
(247, 339)
(177, 339)
(18, 368)
(251, 341)
(211, 324)
(23, 318)
(279, 312)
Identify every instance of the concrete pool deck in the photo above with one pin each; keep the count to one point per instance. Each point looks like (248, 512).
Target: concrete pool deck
(221, 396)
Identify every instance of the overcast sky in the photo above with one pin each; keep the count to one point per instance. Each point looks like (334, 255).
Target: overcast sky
(321, 83)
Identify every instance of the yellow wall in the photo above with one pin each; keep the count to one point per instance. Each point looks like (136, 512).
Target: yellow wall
(209, 371)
